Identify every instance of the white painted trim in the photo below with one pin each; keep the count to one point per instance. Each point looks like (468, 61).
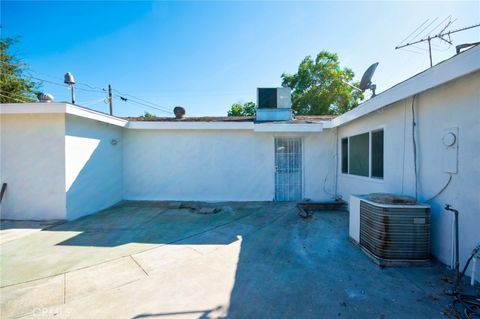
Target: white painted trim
(93, 115)
(33, 108)
(288, 127)
(448, 70)
(376, 128)
(60, 108)
(363, 178)
(145, 125)
(257, 127)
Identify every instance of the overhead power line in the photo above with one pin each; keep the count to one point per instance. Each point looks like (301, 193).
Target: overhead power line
(98, 90)
(123, 99)
(154, 105)
(94, 89)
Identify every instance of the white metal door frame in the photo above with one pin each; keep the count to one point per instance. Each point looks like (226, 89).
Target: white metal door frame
(289, 163)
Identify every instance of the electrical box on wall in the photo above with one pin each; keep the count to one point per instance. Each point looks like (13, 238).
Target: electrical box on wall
(450, 150)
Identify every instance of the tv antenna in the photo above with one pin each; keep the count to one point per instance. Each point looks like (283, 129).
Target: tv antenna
(442, 35)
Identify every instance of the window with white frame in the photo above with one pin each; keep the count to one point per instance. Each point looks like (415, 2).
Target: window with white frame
(362, 154)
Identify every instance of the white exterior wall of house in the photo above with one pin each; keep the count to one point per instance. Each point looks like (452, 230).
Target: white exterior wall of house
(93, 165)
(319, 161)
(33, 166)
(215, 165)
(454, 104)
(58, 161)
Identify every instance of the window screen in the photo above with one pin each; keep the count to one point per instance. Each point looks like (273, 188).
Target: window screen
(344, 155)
(358, 156)
(377, 154)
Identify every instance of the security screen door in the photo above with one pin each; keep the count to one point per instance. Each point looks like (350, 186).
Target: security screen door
(288, 169)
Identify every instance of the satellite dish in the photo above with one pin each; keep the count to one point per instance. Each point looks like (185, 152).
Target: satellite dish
(366, 82)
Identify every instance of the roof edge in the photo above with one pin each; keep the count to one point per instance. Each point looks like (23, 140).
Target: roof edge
(455, 67)
(61, 108)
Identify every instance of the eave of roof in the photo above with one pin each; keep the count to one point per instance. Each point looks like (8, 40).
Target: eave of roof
(304, 119)
(61, 108)
(448, 70)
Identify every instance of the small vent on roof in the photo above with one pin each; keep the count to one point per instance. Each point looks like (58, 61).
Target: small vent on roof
(179, 112)
(45, 97)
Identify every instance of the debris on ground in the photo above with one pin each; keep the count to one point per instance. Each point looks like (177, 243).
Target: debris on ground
(205, 210)
(208, 210)
(306, 209)
(302, 213)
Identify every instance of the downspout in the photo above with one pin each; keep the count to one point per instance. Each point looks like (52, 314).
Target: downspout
(336, 163)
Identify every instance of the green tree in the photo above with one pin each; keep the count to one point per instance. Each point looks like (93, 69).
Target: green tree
(322, 86)
(14, 86)
(148, 115)
(247, 109)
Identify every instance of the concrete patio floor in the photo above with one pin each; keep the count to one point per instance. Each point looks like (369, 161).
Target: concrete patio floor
(250, 260)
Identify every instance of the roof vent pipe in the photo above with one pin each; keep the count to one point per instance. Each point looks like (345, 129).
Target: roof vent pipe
(69, 79)
(179, 112)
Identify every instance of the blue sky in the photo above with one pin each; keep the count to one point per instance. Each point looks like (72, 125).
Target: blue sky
(207, 55)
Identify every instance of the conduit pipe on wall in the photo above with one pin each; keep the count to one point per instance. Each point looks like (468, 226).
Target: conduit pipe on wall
(4, 188)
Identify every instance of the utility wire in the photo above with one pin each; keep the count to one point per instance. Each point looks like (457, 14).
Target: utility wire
(441, 190)
(142, 100)
(121, 98)
(65, 85)
(92, 102)
(95, 89)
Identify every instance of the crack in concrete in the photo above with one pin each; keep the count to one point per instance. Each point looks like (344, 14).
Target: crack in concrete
(138, 264)
(64, 288)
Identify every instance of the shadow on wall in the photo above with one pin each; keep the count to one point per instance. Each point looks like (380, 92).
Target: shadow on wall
(93, 169)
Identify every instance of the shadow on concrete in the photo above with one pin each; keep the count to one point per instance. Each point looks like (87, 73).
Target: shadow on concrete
(287, 267)
(296, 268)
(204, 314)
(157, 223)
(6, 224)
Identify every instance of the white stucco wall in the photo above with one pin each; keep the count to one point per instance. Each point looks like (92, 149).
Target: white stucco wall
(319, 165)
(213, 165)
(33, 166)
(93, 166)
(455, 104)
